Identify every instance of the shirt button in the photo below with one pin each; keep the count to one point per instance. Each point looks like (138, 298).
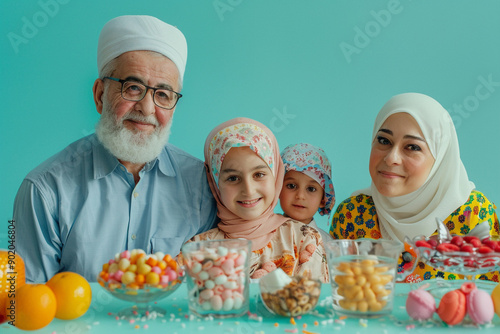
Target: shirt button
(133, 236)
(136, 194)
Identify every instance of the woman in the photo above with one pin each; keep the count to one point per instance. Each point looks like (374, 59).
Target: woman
(417, 176)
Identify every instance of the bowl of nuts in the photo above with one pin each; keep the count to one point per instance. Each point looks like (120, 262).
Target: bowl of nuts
(289, 296)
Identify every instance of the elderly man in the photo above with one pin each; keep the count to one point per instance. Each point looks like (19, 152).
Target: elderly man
(123, 187)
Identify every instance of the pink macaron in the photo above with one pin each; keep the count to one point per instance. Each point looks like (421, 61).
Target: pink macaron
(420, 305)
(480, 307)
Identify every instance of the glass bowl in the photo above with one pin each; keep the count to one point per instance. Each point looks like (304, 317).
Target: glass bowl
(468, 264)
(142, 298)
(297, 298)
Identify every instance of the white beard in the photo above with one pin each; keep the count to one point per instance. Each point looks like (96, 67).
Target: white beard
(127, 145)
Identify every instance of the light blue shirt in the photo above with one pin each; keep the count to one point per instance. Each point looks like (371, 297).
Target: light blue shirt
(78, 209)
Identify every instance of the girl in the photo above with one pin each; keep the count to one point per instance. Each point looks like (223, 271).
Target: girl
(308, 186)
(245, 173)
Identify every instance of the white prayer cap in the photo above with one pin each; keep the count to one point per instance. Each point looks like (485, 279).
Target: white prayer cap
(141, 32)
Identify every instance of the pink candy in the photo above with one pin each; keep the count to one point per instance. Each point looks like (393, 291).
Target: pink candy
(219, 277)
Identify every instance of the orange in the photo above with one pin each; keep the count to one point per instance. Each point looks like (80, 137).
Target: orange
(73, 294)
(35, 306)
(12, 276)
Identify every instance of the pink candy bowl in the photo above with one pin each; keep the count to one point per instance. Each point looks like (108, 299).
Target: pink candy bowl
(141, 297)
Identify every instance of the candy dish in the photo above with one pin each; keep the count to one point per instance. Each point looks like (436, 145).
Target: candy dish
(292, 297)
(467, 259)
(141, 278)
(141, 297)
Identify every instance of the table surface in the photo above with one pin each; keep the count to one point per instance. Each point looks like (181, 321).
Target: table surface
(102, 318)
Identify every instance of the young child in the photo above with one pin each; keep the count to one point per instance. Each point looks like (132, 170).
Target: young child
(307, 186)
(245, 173)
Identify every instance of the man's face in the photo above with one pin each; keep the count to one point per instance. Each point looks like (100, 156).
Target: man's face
(150, 69)
(136, 131)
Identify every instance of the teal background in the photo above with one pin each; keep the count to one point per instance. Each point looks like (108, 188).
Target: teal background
(280, 62)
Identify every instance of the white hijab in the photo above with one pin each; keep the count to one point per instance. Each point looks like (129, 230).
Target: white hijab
(447, 187)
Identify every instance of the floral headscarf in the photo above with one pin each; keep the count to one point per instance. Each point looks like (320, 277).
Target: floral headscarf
(239, 135)
(245, 132)
(313, 162)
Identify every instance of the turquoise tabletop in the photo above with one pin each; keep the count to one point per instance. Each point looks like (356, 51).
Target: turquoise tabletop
(102, 318)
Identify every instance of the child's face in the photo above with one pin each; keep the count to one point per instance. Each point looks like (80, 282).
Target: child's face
(246, 183)
(301, 196)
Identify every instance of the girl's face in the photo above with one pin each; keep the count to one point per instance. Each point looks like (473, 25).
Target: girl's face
(400, 160)
(246, 184)
(301, 196)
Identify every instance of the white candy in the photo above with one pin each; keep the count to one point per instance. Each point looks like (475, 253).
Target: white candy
(203, 275)
(222, 251)
(221, 279)
(206, 306)
(196, 268)
(228, 304)
(117, 257)
(231, 285)
(274, 281)
(209, 284)
(238, 302)
(159, 256)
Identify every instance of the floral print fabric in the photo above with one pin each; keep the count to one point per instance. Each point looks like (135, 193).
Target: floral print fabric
(356, 217)
(288, 242)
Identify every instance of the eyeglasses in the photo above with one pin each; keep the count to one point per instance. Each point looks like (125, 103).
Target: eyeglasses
(134, 91)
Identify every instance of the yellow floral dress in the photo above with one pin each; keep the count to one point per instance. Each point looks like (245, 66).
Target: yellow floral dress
(356, 217)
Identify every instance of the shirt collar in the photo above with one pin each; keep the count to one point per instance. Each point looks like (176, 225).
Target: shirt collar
(105, 163)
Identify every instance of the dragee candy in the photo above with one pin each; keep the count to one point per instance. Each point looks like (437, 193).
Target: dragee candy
(220, 278)
(134, 268)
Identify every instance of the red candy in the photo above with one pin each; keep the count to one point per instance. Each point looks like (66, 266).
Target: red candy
(457, 240)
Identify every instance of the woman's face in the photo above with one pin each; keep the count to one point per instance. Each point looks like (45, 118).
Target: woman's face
(246, 183)
(400, 160)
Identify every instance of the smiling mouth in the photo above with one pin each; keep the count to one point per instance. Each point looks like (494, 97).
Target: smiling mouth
(389, 174)
(249, 203)
(298, 206)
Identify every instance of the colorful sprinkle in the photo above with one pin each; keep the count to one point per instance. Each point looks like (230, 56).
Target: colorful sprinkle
(316, 323)
(307, 332)
(295, 330)
(137, 327)
(276, 324)
(292, 321)
(146, 326)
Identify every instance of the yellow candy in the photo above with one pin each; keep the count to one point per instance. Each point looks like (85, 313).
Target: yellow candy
(143, 269)
(128, 277)
(123, 264)
(152, 278)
